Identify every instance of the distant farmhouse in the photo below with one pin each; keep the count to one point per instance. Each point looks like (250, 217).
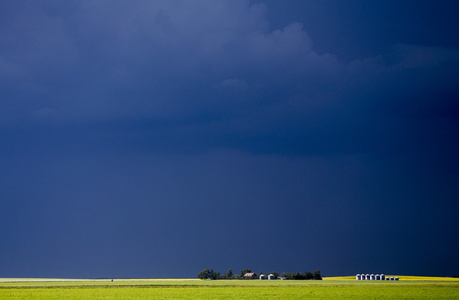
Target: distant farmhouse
(250, 275)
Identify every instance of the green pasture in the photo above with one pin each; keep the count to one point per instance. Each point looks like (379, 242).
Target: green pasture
(226, 289)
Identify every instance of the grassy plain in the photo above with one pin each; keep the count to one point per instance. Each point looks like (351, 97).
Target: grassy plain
(226, 289)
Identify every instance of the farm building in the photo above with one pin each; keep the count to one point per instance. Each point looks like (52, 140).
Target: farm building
(250, 275)
(271, 277)
(372, 277)
(262, 276)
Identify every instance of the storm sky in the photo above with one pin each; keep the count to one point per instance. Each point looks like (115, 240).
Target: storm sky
(155, 139)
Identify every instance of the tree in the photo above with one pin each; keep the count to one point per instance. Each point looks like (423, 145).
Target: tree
(208, 274)
(204, 274)
(309, 275)
(316, 275)
(229, 274)
(299, 276)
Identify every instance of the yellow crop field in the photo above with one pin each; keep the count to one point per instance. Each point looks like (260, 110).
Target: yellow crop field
(401, 277)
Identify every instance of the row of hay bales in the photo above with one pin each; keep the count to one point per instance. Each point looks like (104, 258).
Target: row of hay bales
(374, 277)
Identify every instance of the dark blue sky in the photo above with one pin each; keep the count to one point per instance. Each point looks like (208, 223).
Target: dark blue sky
(155, 139)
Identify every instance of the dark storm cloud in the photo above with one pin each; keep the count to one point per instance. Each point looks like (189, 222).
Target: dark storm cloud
(169, 57)
(207, 70)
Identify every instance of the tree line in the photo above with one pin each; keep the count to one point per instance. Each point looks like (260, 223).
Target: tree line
(213, 275)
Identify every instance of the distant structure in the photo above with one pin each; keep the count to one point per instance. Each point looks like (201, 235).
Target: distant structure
(262, 276)
(250, 275)
(270, 276)
(374, 277)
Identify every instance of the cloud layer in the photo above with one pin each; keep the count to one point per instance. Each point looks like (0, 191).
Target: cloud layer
(213, 66)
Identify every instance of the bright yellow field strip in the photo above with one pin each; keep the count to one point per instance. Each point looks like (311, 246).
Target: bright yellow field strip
(424, 278)
(46, 279)
(96, 280)
(401, 277)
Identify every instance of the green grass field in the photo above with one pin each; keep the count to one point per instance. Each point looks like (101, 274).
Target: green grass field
(226, 289)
